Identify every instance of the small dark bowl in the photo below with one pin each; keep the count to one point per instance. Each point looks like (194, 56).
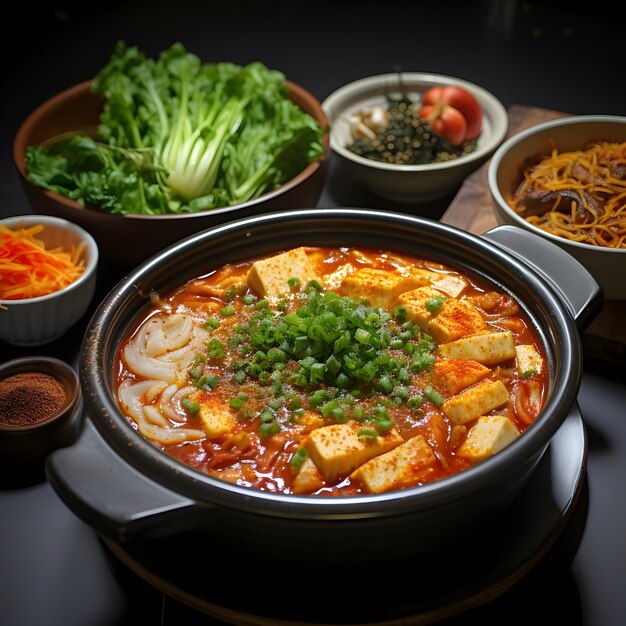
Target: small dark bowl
(33, 442)
(127, 240)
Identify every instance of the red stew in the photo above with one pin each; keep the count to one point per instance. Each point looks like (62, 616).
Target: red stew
(332, 371)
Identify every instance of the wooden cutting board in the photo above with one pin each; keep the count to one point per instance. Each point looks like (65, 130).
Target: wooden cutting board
(471, 210)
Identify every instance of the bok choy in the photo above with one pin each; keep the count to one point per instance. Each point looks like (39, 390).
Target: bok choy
(177, 135)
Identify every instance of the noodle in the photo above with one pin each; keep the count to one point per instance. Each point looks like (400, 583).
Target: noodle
(578, 195)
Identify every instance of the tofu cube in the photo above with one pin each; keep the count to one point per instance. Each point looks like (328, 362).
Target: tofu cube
(269, 277)
(454, 375)
(487, 348)
(310, 420)
(333, 281)
(415, 303)
(454, 319)
(380, 288)
(528, 360)
(337, 450)
(308, 479)
(425, 277)
(475, 401)
(449, 284)
(217, 418)
(490, 434)
(397, 468)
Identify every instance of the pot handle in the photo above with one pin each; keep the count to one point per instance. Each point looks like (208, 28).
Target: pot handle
(111, 496)
(577, 288)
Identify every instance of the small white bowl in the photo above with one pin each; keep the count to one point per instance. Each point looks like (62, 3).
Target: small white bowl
(36, 321)
(409, 183)
(607, 265)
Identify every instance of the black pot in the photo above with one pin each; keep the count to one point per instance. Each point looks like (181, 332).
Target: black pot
(126, 489)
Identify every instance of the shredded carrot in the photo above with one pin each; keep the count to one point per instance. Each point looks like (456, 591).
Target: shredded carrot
(28, 270)
(578, 195)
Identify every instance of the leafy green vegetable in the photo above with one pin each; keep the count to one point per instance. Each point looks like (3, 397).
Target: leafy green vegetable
(179, 136)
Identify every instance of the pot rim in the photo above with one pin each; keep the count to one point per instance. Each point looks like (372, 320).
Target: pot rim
(564, 353)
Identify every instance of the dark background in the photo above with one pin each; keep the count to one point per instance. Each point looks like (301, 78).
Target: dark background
(560, 55)
(567, 56)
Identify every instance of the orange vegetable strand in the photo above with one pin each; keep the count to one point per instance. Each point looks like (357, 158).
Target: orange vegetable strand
(28, 270)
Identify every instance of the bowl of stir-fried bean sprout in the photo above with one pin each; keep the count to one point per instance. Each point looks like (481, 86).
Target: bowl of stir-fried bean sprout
(565, 180)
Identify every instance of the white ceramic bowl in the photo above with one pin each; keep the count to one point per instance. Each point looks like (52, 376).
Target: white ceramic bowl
(409, 183)
(607, 265)
(36, 321)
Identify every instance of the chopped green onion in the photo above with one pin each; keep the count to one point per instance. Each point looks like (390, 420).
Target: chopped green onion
(293, 401)
(414, 402)
(361, 335)
(386, 384)
(401, 313)
(368, 434)
(433, 396)
(421, 361)
(215, 349)
(434, 304)
(239, 400)
(267, 416)
(275, 404)
(331, 342)
(212, 323)
(228, 310)
(401, 392)
(192, 407)
(268, 429)
(298, 458)
(318, 397)
(230, 293)
(195, 373)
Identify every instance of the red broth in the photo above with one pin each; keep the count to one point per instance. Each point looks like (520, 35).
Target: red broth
(301, 391)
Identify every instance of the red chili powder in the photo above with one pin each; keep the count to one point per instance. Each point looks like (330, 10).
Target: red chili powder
(30, 397)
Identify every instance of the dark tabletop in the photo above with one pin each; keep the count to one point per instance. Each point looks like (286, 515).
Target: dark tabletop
(566, 56)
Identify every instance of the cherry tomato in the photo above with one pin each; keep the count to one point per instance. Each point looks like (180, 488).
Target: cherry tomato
(460, 99)
(446, 121)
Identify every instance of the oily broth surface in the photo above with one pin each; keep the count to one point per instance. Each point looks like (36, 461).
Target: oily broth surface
(246, 457)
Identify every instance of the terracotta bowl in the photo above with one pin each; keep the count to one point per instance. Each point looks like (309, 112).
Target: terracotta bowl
(127, 240)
